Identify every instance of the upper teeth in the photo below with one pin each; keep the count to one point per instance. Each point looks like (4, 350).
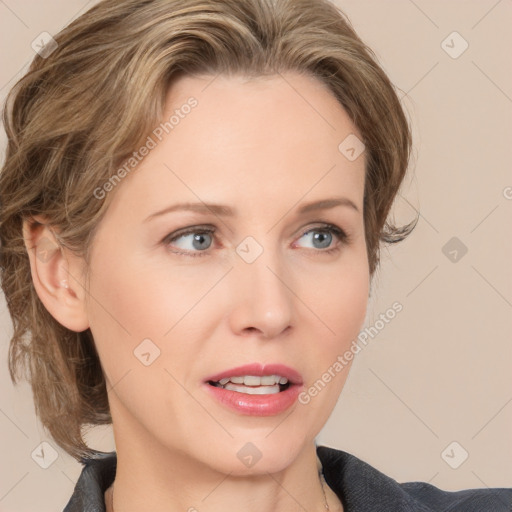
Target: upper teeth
(253, 380)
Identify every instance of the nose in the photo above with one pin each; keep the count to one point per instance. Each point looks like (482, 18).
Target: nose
(262, 298)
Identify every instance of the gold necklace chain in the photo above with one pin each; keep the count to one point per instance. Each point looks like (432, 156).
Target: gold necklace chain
(322, 481)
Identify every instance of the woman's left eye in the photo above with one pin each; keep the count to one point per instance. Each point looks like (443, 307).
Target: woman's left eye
(322, 237)
(197, 241)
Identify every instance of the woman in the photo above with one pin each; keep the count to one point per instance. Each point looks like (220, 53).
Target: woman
(193, 199)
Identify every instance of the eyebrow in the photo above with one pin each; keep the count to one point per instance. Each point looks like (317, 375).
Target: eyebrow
(227, 211)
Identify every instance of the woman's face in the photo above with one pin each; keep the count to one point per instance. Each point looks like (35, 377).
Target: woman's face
(176, 298)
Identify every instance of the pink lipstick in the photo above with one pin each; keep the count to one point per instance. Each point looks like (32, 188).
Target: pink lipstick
(256, 389)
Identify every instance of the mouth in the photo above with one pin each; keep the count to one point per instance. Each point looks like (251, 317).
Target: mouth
(256, 389)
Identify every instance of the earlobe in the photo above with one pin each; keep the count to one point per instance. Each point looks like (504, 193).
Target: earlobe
(56, 275)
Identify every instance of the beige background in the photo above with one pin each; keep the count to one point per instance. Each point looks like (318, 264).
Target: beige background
(440, 371)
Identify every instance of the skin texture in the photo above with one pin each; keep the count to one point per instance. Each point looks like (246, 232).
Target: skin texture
(264, 147)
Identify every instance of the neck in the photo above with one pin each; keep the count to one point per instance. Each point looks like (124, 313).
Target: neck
(174, 483)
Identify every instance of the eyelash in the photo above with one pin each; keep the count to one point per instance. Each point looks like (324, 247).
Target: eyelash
(342, 236)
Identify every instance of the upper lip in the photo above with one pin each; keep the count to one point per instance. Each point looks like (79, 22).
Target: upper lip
(258, 369)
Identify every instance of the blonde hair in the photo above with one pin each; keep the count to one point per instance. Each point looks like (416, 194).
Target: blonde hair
(81, 110)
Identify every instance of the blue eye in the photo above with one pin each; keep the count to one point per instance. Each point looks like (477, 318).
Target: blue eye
(321, 237)
(198, 240)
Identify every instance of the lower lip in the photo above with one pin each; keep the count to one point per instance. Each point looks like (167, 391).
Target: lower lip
(256, 405)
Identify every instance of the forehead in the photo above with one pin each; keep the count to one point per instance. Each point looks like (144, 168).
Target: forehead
(246, 137)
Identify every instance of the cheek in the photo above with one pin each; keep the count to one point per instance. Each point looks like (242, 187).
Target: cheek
(339, 296)
(351, 297)
(138, 309)
(341, 310)
(139, 297)
(135, 299)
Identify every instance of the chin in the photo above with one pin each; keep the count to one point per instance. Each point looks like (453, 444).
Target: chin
(257, 452)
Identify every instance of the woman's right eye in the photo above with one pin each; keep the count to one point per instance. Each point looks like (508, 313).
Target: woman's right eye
(193, 242)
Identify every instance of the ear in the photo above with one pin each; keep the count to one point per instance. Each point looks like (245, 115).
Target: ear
(57, 275)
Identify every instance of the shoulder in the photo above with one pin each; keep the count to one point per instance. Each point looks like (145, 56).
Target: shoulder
(362, 487)
(96, 477)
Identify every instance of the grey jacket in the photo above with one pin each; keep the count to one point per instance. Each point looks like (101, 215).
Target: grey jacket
(359, 486)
